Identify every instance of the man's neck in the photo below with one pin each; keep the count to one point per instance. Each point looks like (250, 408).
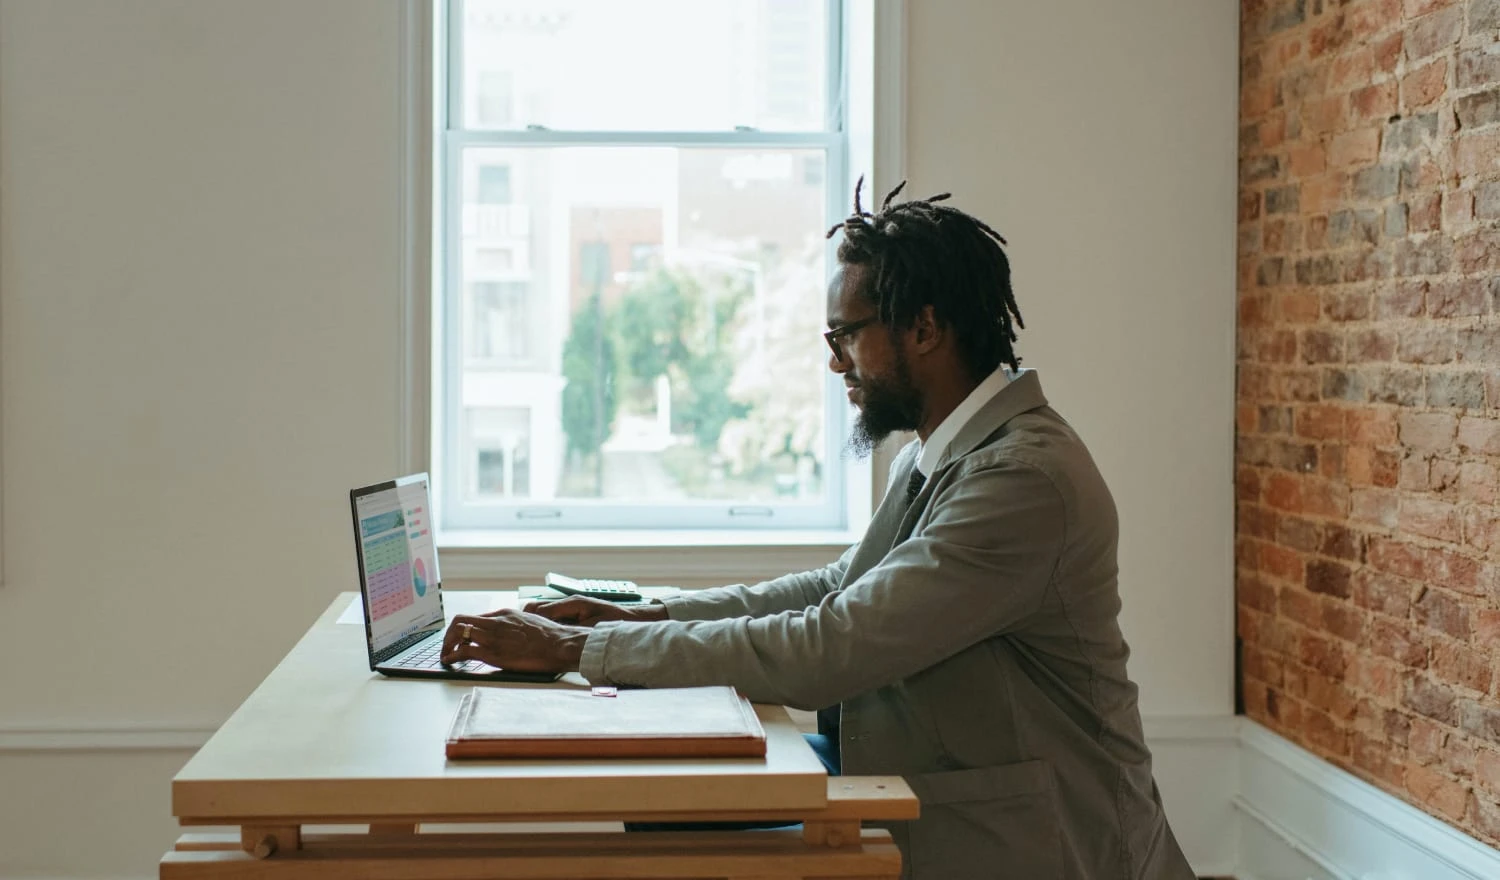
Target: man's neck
(940, 403)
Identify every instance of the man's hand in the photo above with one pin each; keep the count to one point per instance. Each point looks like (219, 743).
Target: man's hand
(514, 640)
(584, 611)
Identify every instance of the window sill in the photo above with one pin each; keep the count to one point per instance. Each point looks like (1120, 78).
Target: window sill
(683, 558)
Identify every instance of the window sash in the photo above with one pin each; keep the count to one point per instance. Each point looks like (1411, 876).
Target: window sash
(572, 514)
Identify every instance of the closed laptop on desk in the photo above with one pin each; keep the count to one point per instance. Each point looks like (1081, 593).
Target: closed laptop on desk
(704, 722)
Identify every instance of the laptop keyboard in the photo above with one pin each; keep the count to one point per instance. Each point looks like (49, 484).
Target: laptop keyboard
(428, 655)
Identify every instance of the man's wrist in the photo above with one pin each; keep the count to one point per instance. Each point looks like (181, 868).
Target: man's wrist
(570, 648)
(650, 612)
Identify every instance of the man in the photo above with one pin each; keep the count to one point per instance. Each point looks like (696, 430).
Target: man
(969, 642)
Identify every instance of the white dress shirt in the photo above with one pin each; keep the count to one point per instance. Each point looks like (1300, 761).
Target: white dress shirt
(984, 392)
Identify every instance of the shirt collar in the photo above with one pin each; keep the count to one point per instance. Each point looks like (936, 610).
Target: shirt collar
(937, 444)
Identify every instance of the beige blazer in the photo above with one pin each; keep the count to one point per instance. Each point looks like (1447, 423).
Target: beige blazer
(971, 638)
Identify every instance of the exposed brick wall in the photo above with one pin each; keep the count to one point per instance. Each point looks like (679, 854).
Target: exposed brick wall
(1368, 418)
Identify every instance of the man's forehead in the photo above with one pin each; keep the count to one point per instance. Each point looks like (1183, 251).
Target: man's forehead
(846, 290)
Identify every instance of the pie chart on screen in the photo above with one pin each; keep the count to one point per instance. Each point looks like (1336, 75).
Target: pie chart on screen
(419, 577)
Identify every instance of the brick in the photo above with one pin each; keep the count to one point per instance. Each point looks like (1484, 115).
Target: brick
(1417, 8)
(1376, 427)
(1281, 563)
(1317, 270)
(1321, 347)
(1434, 33)
(1306, 160)
(1479, 345)
(1479, 109)
(1401, 386)
(1298, 307)
(1377, 183)
(1437, 792)
(1456, 663)
(1284, 492)
(1424, 213)
(1477, 481)
(1479, 66)
(1375, 507)
(1393, 640)
(1425, 85)
(1487, 770)
(1374, 103)
(1438, 610)
(1484, 15)
(1397, 557)
(1371, 467)
(1479, 252)
(1268, 273)
(1481, 530)
(1324, 734)
(1376, 676)
(1345, 622)
(1383, 593)
(1329, 579)
(1486, 203)
(1342, 543)
(1290, 456)
(1432, 255)
(1404, 134)
(1480, 720)
(1349, 305)
(1351, 385)
(1274, 419)
(1376, 760)
(1280, 232)
(1487, 627)
(1360, 147)
(1302, 607)
(1328, 693)
(1371, 345)
(1477, 434)
(1438, 520)
(1486, 818)
(1327, 497)
(1331, 467)
(1404, 299)
(1458, 208)
(1283, 200)
(1457, 298)
(1420, 173)
(1432, 700)
(1456, 390)
(1477, 154)
(1426, 741)
(1428, 344)
(1427, 430)
(1320, 422)
(1259, 168)
(1395, 220)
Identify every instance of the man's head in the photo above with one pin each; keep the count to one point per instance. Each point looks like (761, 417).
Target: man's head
(920, 311)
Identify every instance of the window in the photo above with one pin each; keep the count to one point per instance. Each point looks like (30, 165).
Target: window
(634, 271)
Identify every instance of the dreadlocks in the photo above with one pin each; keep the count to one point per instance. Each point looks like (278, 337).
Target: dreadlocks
(923, 253)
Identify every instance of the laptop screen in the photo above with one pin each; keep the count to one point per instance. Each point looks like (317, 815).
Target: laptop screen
(396, 548)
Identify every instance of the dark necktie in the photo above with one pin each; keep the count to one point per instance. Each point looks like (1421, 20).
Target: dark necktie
(914, 485)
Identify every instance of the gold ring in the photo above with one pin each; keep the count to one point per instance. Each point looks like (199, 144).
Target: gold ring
(468, 632)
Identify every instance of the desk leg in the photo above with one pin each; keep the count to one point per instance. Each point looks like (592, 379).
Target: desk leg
(830, 833)
(264, 841)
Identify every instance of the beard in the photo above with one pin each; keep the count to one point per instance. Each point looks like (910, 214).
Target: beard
(891, 404)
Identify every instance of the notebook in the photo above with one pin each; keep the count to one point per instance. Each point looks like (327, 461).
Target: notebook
(701, 722)
(400, 586)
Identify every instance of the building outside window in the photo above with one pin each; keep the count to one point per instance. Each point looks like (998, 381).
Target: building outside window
(635, 264)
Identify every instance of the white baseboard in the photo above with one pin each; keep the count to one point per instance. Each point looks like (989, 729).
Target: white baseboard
(1301, 817)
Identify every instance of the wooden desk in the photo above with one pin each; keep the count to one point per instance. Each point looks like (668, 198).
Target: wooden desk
(325, 741)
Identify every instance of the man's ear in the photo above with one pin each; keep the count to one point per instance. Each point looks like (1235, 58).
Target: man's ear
(929, 333)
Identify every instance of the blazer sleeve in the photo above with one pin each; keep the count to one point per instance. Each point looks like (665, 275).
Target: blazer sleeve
(792, 592)
(980, 567)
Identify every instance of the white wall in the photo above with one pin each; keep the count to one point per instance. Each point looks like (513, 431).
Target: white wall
(199, 218)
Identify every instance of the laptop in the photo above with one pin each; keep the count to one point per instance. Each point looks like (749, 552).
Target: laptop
(401, 588)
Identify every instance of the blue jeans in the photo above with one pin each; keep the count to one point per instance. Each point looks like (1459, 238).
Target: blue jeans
(827, 752)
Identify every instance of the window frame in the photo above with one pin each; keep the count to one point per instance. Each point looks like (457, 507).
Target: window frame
(427, 26)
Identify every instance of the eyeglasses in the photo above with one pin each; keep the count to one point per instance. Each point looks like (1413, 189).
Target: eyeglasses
(833, 336)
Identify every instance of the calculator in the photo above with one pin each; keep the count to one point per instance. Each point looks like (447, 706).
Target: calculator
(594, 588)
